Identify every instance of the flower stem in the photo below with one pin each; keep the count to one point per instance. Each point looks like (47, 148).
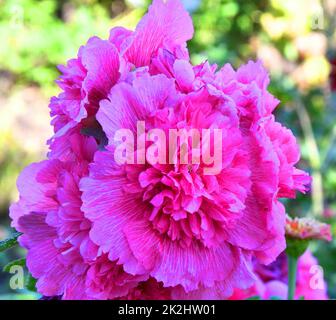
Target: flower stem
(292, 267)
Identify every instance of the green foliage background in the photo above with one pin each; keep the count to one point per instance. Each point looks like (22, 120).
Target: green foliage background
(295, 39)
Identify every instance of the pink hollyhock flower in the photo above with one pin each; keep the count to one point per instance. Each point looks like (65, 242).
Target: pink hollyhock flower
(61, 254)
(84, 85)
(147, 216)
(272, 280)
(98, 229)
(55, 231)
(166, 218)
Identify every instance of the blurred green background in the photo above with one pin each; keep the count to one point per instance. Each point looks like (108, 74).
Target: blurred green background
(296, 41)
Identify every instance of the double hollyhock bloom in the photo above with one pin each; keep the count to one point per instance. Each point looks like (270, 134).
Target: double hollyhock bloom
(98, 229)
(272, 280)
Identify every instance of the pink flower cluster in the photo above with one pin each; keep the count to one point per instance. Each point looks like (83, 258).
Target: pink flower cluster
(95, 229)
(272, 280)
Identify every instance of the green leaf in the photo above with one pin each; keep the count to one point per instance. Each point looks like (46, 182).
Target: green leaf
(254, 298)
(18, 262)
(10, 242)
(30, 283)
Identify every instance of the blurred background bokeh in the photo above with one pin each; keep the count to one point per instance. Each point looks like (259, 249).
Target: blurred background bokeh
(296, 41)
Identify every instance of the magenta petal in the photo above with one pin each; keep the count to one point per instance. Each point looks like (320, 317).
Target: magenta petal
(217, 270)
(184, 74)
(33, 194)
(189, 269)
(166, 24)
(42, 254)
(118, 35)
(113, 214)
(96, 56)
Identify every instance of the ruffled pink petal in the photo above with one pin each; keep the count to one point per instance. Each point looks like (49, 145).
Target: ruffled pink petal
(291, 179)
(110, 197)
(118, 35)
(257, 230)
(34, 196)
(42, 255)
(84, 85)
(184, 74)
(96, 56)
(166, 24)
